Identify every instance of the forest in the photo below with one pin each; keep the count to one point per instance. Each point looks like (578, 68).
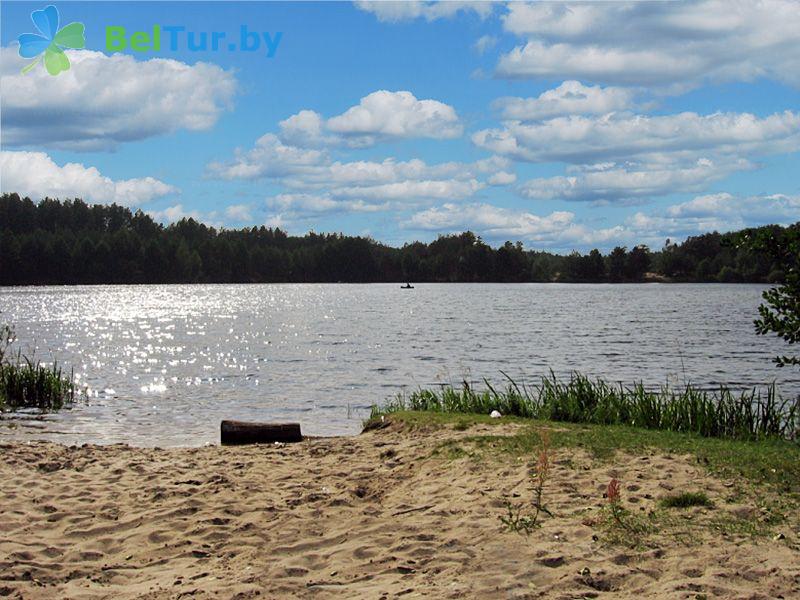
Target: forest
(72, 242)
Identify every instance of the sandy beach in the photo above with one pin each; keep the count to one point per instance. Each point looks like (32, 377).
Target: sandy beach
(379, 515)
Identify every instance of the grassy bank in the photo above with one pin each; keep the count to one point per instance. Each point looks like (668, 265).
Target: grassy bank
(762, 475)
(753, 415)
(772, 462)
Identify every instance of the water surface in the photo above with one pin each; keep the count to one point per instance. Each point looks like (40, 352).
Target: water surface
(164, 364)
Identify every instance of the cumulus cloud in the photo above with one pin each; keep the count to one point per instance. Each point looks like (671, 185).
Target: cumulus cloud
(306, 129)
(502, 178)
(173, 214)
(643, 156)
(299, 210)
(34, 174)
(593, 63)
(379, 116)
(449, 189)
(299, 158)
(239, 213)
(583, 139)
(269, 158)
(571, 97)
(407, 10)
(655, 43)
(307, 205)
(562, 230)
(314, 171)
(558, 229)
(484, 43)
(715, 212)
(103, 101)
(747, 210)
(612, 182)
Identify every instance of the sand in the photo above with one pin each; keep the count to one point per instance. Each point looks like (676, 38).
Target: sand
(373, 516)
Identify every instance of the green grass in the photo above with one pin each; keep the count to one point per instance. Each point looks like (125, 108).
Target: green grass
(754, 415)
(29, 384)
(774, 462)
(686, 500)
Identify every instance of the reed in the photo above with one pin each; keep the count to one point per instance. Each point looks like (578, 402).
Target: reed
(29, 384)
(722, 413)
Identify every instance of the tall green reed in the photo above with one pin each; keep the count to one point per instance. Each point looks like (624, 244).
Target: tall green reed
(26, 383)
(722, 413)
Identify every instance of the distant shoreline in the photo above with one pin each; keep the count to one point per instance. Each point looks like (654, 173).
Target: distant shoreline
(72, 243)
(398, 283)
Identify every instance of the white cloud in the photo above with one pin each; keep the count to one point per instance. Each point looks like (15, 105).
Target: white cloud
(277, 222)
(502, 178)
(307, 129)
(571, 97)
(298, 210)
(34, 174)
(307, 205)
(745, 210)
(173, 214)
(581, 139)
(655, 43)
(559, 229)
(269, 158)
(449, 189)
(562, 230)
(484, 43)
(239, 213)
(704, 206)
(611, 182)
(592, 63)
(367, 173)
(313, 171)
(103, 101)
(379, 116)
(407, 10)
(715, 212)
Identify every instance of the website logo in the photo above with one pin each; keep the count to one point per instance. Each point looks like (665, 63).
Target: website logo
(118, 40)
(49, 44)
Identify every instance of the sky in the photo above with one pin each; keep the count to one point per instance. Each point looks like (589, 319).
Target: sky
(562, 125)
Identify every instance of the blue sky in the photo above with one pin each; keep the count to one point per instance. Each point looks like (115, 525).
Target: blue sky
(566, 126)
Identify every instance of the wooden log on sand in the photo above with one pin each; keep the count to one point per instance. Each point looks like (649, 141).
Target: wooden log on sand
(241, 432)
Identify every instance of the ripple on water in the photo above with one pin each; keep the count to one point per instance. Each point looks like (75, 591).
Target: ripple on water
(164, 364)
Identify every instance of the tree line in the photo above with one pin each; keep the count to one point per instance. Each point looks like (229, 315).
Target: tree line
(71, 242)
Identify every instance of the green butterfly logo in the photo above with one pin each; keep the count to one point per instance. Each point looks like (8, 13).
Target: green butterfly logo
(51, 43)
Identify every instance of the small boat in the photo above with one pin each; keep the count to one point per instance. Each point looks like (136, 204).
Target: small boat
(407, 286)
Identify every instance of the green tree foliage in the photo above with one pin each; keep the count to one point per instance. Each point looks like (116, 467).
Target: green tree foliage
(780, 313)
(616, 264)
(71, 242)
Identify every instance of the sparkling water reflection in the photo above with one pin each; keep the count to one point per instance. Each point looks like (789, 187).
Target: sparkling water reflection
(164, 364)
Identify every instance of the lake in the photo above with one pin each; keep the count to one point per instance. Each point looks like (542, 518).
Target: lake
(165, 363)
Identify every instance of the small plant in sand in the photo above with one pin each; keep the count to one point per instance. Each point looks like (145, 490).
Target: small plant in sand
(624, 527)
(615, 502)
(518, 521)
